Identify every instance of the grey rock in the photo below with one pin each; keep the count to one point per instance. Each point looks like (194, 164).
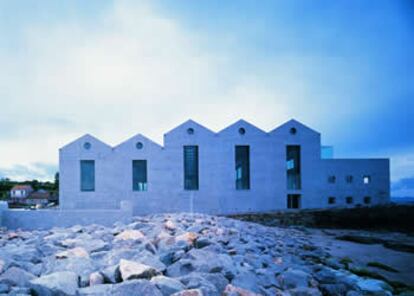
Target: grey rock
(96, 278)
(97, 290)
(167, 285)
(135, 287)
(58, 283)
(303, 291)
(111, 274)
(15, 276)
(189, 292)
(293, 278)
(374, 287)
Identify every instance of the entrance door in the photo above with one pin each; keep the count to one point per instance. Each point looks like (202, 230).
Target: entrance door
(293, 201)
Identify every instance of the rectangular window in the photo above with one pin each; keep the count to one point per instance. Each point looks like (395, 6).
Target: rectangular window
(349, 179)
(367, 200)
(331, 179)
(139, 175)
(191, 167)
(293, 201)
(367, 179)
(242, 158)
(349, 200)
(293, 167)
(87, 175)
(331, 200)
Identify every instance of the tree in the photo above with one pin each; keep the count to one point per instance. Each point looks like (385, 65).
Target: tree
(56, 185)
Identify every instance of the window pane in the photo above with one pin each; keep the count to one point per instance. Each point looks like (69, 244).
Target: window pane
(293, 167)
(87, 173)
(191, 167)
(242, 158)
(139, 175)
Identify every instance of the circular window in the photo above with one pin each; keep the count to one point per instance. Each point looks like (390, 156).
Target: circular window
(293, 131)
(87, 145)
(139, 145)
(242, 131)
(190, 131)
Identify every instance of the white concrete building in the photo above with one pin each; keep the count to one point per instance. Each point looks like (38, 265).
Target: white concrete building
(239, 169)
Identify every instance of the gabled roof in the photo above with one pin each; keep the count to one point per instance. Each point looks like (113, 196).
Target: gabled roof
(241, 123)
(22, 187)
(292, 123)
(187, 124)
(86, 137)
(138, 137)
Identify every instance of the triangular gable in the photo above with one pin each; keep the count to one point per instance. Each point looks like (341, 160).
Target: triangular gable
(249, 129)
(287, 126)
(198, 128)
(86, 138)
(147, 142)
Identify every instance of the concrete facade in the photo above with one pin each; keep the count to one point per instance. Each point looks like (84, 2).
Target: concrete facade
(217, 191)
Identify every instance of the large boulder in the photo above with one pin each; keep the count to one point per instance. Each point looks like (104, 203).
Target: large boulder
(15, 276)
(135, 270)
(293, 278)
(135, 287)
(75, 252)
(374, 287)
(167, 285)
(64, 283)
(231, 290)
(130, 234)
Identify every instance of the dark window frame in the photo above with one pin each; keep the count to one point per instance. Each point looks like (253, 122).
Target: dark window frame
(349, 200)
(331, 200)
(294, 173)
(139, 175)
(85, 184)
(191, 170)
(242, 167)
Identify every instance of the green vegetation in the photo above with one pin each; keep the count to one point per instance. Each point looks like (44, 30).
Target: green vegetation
(6, 185)
(367, 273)
(345, 261)
(381, 266)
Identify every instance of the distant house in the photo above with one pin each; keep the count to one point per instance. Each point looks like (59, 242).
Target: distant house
(20, 191)
(40, 197)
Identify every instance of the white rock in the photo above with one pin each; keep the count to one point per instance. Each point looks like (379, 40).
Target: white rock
(58, 283)
(135, 270)
(75, 252)
(130, 234)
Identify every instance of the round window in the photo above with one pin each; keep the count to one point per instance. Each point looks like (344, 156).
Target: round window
(242, 131)
(87, 145)
(190, 131)
(293, 131)
(139, 145)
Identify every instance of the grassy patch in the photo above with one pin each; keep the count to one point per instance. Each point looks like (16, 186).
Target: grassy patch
(345, 261)
(367, 273)
(381, 266)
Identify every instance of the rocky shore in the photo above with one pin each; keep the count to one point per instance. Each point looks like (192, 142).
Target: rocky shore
(175, 254)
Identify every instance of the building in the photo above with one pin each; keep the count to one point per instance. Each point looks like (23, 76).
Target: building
(20, 191)
(40, 197)
(239, 169)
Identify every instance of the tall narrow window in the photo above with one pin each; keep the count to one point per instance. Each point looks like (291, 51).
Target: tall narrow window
(87, 175)
(242, 154)
(139, 175)
(293, 167)
(191, 167)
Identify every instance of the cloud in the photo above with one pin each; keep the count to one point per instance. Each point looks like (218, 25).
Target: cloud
(38, 171)
(403, 187)
(137, 67)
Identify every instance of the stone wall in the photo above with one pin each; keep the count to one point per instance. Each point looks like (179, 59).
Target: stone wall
(49, 218)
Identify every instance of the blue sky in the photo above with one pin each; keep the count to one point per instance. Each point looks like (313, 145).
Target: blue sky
(345, 68)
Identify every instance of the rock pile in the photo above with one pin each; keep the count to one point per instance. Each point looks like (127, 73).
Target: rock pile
(174, 254)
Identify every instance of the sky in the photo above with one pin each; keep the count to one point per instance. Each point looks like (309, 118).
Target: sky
(117, 68)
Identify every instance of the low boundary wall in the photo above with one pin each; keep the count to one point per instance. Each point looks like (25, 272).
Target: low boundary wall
(49, 218)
